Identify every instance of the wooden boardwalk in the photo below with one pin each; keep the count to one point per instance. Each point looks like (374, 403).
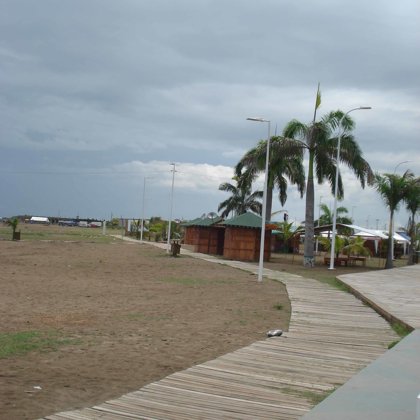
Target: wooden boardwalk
(394, 293)
(332, 336)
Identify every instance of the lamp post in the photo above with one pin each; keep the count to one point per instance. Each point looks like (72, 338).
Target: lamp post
(319, 223)
(352, 214)
(391, 239)
(340, 133)
(264, 208)
(168, 248)
(396, 166)
(142, 213)
(319, 210)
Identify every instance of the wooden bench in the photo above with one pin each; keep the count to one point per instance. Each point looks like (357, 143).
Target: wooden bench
(345, 260)
(337, 261)
(353, 260)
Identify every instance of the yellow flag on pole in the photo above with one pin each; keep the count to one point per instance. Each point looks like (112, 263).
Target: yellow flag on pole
(318, 98)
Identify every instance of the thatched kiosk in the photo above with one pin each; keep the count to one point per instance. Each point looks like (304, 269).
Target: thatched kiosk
(206, 235)
(242, 238)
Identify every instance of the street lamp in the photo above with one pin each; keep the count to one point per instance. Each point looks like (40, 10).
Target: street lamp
(352, 214)
(340, 133)
(264, 208)
(168, 248)
(319, 210)
(391, 239)
(319, 224)
(142, 214)
(396, 166)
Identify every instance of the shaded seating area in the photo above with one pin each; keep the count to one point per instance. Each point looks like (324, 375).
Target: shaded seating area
(375, 240)
(346, 261)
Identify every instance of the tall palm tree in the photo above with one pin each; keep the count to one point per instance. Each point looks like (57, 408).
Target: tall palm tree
(412, 202)
(327, 215)
(285, 164)
(318, 139)
(393, 189)
(241, 199)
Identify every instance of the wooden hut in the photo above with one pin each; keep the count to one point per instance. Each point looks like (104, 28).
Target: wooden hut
(206, 235)
(243, 236)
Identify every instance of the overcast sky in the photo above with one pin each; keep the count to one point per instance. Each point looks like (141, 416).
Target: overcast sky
(96, 95)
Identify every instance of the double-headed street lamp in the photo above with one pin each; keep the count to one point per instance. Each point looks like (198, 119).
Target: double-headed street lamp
(168, 245)
(340, 133)
(264, 208)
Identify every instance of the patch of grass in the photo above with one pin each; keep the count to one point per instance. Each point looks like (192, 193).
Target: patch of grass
(57, 233)
(21, 343)
(333, 282)
(400, 329)
(312, 396)
(278, 306)
(394, 343)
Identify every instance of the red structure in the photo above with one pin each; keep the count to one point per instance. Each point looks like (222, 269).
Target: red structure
(243, 236)
(205, 235)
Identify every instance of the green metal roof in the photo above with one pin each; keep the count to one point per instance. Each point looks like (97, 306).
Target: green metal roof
(191, 222)
(249, 220)
(206, 221)
(203, 222)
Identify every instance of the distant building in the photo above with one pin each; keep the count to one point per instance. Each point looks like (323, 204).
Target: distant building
(39, 220)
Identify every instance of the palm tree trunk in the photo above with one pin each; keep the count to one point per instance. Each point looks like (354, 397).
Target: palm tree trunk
(309, 258)
(389, 263)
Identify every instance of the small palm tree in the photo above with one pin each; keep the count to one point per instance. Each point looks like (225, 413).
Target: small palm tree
(340, 243)
(356, 246)
(412, 202)
(13, 223)
(285, 166)
(287, 232)
(393, 189)
(241, 199)
(327, 215)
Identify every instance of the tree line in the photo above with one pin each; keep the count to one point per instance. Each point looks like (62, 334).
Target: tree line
(319, 140)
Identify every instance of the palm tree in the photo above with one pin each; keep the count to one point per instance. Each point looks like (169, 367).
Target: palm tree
(317, 137)
(241, 199)
(13, 223)
(393, 189)
(356, 246)
(340, 243)
(327, 215)
(287, 232)
(285, 164)
(412, 202)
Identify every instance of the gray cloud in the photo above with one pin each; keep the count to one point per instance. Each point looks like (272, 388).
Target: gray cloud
(95, 84)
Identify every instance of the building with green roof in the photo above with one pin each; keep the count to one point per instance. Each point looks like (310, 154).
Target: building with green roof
(243, 237)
